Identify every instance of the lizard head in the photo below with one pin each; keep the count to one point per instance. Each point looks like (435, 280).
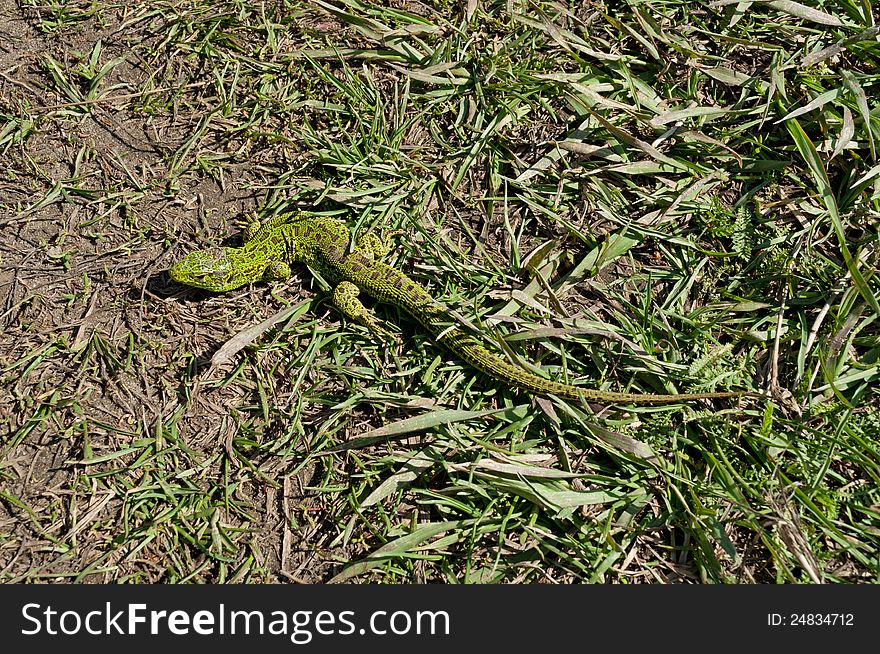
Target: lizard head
(214, 269)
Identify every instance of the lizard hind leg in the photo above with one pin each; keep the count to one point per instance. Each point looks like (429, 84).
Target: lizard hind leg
(345, 297)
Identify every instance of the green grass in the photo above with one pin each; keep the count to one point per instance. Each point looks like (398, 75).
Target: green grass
(649, 196)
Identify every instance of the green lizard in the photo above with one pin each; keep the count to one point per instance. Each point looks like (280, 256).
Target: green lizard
(323, 243)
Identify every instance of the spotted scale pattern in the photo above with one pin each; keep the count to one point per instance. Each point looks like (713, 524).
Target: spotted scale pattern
(323, 243)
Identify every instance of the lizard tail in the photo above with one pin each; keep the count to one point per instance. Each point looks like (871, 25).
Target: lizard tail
(416, 301)
(481, 358)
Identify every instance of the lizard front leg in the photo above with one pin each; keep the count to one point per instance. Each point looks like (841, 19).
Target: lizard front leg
(375, 244)
(277, 270)
(249, 226)
(345, 297)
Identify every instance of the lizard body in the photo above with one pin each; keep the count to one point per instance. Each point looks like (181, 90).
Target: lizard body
(323, 243)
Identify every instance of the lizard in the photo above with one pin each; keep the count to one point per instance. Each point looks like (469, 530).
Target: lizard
(323, 243)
